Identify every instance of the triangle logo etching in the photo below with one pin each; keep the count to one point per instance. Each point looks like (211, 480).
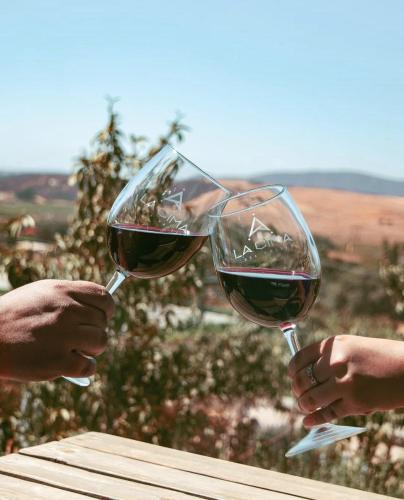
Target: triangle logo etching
(168, 219)
(175, 198)
(257, 226)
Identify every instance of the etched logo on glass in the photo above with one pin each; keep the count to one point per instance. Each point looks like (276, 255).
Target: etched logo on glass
(165, 206)
(259, 238)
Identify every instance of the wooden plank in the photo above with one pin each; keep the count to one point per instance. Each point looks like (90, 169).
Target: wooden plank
(14, 488)
(81, 481)
(148, 473)
(221, 469)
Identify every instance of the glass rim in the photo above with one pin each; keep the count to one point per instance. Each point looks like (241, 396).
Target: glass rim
(205, 174)
(282, 190)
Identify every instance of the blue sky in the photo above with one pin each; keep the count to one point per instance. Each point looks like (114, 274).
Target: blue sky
(264, 85)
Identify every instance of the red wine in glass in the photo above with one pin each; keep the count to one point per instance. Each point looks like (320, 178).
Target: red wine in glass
(151, 252)
(269, 297)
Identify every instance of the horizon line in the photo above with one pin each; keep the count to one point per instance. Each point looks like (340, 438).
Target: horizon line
(4, 171)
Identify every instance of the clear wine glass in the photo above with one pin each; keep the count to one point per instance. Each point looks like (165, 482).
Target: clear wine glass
(268, 265)
(159, 220)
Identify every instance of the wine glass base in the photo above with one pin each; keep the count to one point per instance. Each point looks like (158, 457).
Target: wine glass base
(323, 435)
(81, 381)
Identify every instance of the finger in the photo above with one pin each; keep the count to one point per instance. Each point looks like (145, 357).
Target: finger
(87, 315)
(331, 412)
(302, 382)
(90, 340)
(323, 366)
(93, 295)
(307, 355)
(319, 396)
(77, 365)
(304, 357)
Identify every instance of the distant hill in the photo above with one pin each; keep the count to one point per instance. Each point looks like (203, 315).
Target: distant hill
(347, 181)
(347, 219)
(56, 186)
(47, 186)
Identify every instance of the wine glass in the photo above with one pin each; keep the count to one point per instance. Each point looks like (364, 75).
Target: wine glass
(268, 265)
(159, 220)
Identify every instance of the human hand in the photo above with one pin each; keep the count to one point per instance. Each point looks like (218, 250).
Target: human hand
(356, 376)
(44, 326)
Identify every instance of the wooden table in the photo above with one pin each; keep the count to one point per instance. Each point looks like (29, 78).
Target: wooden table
(103, 466)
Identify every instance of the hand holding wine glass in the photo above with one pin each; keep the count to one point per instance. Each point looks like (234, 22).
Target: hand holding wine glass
(269, 268)
(45, 323)
(160, 219)
(357, 376)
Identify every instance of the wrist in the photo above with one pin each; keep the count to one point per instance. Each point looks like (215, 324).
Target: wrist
(393, 390)
(5, 355)
(400, 383)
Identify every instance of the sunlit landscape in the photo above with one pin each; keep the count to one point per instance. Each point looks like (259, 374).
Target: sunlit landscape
(307, 95)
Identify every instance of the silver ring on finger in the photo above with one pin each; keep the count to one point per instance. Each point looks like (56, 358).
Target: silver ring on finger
(311, 375)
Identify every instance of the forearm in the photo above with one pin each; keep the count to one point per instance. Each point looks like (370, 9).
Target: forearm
(388, 376)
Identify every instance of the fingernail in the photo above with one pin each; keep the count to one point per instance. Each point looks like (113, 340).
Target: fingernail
(305, 409)
(308, 422)
(301, 407)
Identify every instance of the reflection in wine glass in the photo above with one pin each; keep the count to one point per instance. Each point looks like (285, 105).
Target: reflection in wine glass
(268, 265)
(159, 220)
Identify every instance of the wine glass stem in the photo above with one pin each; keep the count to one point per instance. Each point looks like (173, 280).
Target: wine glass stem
(116, 281)
(289, 332)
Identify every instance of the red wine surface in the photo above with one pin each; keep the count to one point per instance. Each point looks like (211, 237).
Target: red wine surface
(149, 252)
(269, 297)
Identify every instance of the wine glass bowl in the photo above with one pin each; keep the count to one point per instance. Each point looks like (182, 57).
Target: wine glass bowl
(160, 218)
(265, 257)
